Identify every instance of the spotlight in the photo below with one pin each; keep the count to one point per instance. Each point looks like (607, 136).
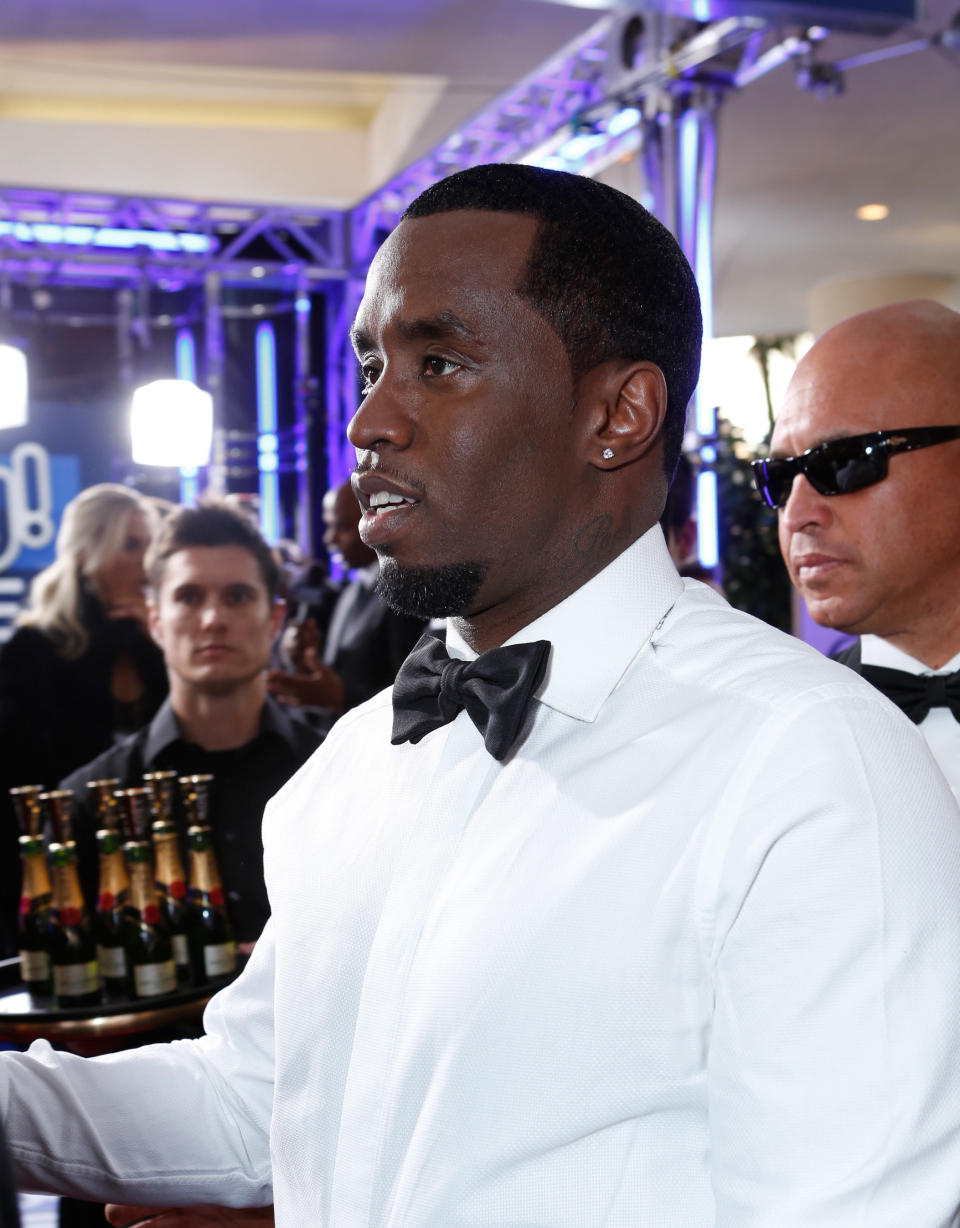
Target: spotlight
(171, 424)
(13, 387)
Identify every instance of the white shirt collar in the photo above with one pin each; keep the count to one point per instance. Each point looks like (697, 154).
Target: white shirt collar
(877, 651)
(620, 606)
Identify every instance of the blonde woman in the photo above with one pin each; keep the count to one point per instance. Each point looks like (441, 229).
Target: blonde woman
(81, 668)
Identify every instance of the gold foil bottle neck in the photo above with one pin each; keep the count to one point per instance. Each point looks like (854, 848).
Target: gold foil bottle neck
(36, 876)
(143, 891)
(67, 896)
(114, 882)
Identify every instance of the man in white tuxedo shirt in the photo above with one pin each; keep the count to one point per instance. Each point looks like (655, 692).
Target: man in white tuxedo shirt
(882, 561)
(624, 909)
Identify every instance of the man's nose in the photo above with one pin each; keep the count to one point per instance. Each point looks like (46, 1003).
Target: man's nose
(212, 613)
(804, 506)
(382, 417)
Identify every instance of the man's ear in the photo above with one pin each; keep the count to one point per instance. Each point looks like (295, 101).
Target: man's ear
(631, 408)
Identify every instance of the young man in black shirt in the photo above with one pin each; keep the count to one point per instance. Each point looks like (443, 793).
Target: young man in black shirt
(214, 611)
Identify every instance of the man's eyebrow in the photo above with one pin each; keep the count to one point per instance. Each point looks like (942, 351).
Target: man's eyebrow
(831, 437)
(442, 326)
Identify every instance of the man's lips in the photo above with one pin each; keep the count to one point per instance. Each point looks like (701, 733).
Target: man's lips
(387, 506)
(815, 565)
(213, 650)
(375, 490)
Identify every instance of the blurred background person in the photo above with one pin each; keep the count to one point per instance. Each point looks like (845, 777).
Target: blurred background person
(679, 525)
(81, 669)
(215, 609)
(364, 643)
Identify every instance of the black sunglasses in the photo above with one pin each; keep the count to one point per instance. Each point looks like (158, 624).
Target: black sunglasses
(841, 466)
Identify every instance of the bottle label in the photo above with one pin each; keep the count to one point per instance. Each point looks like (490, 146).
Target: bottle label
(75, 980)
(177, 889)
(220, 959)
(153, 979)
(113, 962)
(70, 916)
(106, 901)
(181, 950)
(34, 966)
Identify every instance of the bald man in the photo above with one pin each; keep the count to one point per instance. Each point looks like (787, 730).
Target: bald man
(869, 518)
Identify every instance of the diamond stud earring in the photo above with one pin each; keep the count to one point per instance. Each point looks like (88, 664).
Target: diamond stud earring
(607, 453)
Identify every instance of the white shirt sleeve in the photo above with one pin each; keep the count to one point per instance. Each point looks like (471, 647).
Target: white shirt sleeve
(178, 1124)
(833, 1079)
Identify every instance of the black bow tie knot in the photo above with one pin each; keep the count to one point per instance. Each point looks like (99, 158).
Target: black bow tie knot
(916, 694)
(495, 690)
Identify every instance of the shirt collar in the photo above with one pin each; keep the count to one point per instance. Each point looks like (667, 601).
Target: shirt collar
(618, 610)
(165, 730)
(877, 651)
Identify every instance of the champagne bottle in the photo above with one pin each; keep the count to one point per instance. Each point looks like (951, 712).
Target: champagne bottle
(213, 951)
(135, 816)
(151, 951)
(58, 810)
(163, 786)
(28, 809)
(73, 950)
(110, 923)
(103, 795)
(33, 923)
(171, 882)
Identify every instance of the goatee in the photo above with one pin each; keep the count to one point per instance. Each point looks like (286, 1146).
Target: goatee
(430, 592)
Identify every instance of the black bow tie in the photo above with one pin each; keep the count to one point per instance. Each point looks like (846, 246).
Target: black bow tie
(496, 689)
(916, 694)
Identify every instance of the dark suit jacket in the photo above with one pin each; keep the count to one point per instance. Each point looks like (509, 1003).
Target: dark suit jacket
(367, 642)
(849, 656)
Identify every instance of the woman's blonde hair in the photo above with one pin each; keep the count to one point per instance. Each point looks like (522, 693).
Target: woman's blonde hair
(91, 533)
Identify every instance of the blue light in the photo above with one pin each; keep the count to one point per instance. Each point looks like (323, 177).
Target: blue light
(579, 146)
(185, 351)
(188, 486)
(708, 546)
(708, 453)
(185, 357)
(107, 236)
(700, 10)
(269, 506)
(266, 379)
(302, 305)
(267, 443)
(623, 121)
(689, 158)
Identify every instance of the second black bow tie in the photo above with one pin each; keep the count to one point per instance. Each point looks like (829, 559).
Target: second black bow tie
(495, 690)
(916, 694)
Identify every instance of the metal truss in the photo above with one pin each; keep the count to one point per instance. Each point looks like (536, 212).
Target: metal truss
(72, 238)
(515, 122)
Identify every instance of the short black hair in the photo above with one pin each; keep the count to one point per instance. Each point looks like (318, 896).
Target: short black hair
(609, 279)
(211, 523)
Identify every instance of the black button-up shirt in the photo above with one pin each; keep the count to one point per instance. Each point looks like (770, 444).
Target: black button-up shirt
(243, 781)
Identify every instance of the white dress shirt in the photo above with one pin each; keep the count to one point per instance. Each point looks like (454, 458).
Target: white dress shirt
(689, 958)
(940, 727)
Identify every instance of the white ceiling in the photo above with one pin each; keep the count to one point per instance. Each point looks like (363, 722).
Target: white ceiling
(320, 101)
